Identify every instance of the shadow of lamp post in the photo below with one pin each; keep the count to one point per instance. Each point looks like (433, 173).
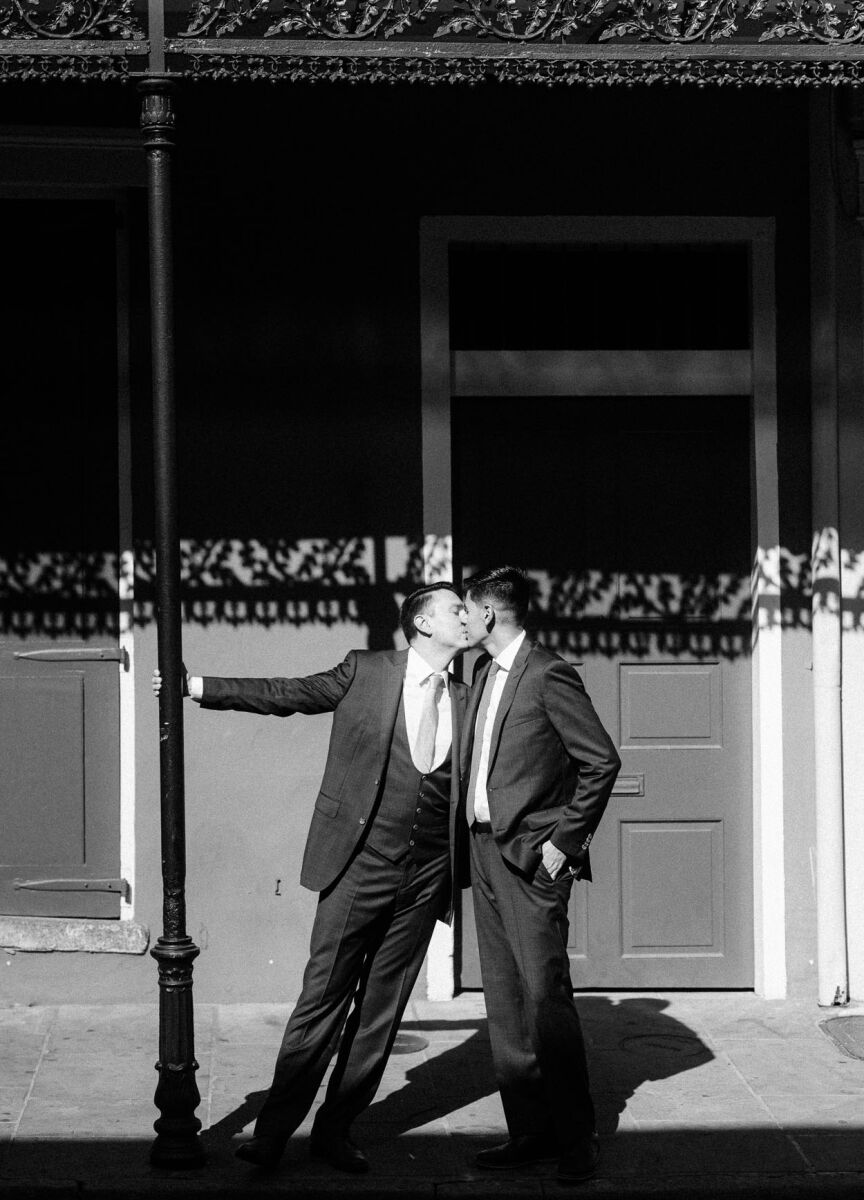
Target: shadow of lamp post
(177, 1142)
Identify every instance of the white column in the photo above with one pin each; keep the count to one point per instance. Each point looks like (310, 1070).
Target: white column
(769, 876)
(825, 564)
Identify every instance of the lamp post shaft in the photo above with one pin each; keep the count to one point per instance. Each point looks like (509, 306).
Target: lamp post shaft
(177, 1143)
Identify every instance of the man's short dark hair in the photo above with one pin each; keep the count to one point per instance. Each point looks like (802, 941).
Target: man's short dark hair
(507, 588)
(417, 603)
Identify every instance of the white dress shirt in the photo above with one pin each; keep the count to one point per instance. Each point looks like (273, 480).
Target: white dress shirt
(505, 662)
(418, 674)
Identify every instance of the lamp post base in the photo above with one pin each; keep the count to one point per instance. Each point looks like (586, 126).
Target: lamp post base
(177, 1144)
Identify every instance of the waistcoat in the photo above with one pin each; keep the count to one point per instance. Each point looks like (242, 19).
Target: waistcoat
(413, 812)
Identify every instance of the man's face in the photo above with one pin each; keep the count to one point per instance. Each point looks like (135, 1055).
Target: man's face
(445, 621)
(476, 621)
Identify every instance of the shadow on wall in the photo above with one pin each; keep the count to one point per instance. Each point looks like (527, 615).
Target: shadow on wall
(362, 581)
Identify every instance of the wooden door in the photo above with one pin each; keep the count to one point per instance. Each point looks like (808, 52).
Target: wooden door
(632, 512)
(59, 620)
(653, 493)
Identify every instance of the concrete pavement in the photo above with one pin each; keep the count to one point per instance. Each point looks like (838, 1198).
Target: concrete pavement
(698, 1094)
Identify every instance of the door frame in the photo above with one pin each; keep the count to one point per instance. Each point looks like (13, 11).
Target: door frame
(102, 165)
(436, 236)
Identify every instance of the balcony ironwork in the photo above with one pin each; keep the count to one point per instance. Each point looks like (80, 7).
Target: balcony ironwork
(590, 42)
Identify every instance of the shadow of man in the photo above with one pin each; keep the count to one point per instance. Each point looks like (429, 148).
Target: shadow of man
(218, 1138)
(454, 1074)
(630, 1041)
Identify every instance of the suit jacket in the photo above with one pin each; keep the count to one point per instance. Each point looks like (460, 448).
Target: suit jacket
(363, 693)
(551, 763)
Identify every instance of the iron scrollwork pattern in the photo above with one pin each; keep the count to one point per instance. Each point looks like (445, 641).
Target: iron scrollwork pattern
(676, 22)
(506, 20)
(343, 20)
(222, 16)
(33, 68)
(70, 20)
(689, 71)
(821, 21)
(365, 19)
(670, 22)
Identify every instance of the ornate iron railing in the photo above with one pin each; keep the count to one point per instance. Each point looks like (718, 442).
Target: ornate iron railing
(781, 42)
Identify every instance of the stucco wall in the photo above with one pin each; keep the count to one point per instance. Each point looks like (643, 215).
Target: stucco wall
(299, 385)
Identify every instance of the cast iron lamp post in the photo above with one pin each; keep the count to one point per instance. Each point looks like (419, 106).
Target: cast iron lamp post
(177, 1143)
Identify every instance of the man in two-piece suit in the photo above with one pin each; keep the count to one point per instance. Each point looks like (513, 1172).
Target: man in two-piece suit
(540, 769)
(383, 851)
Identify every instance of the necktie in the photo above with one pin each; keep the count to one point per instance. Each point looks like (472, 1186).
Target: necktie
(479, 727)
(424, 747)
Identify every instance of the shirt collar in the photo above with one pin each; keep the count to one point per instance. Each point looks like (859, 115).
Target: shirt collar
(507, 655)
(417, 669)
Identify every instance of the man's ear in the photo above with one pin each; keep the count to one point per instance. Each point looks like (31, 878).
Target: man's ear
(422, 629)
(488, 617)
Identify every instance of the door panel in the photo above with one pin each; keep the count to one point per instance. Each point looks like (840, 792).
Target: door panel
(685, 914)
(45, 714)
(670, 704)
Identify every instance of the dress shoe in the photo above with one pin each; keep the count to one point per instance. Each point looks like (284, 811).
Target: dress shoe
(338, 1150)
(579, 1161)
(518, 1152)
(262, 1151)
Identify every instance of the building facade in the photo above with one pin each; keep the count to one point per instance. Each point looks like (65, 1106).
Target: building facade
(608, 328)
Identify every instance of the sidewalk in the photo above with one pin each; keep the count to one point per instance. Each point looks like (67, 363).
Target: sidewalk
(698, 1095)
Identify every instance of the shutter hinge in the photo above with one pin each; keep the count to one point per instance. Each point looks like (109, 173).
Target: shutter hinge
(121, 886)
(77, 654)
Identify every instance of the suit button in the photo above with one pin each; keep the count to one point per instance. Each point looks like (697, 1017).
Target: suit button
(410, 843)
(419, 810)
(377, 781)
(362, 820)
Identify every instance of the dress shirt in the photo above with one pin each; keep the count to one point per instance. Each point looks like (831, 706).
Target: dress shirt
(417, 676)
(505, 662)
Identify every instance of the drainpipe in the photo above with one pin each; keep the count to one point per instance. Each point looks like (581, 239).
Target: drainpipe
(825, 564)
(177, 1143)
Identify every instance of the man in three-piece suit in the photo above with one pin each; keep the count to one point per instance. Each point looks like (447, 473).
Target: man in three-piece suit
(383, 851)
(539, 768)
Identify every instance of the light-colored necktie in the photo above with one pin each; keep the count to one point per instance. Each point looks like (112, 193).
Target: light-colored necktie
(424, 747)
(479, 728)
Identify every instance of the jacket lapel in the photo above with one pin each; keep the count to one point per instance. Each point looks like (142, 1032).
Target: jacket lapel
(507, 696)
(393, 676)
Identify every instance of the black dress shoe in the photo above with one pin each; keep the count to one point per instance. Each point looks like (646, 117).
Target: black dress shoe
(579, 1161)
(262, 1151)
(338, 1150)
(518, 1152)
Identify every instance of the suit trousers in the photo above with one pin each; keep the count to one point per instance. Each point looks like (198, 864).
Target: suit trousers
(537, 1045)
(369, 938)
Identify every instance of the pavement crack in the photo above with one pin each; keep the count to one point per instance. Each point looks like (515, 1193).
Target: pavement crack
(760, 1100)
(42, 1052)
